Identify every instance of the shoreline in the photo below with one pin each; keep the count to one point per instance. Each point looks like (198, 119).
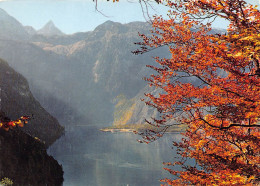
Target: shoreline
(131, 130)
(116, 130)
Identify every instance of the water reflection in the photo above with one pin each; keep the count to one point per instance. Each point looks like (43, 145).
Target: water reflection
(91, 157)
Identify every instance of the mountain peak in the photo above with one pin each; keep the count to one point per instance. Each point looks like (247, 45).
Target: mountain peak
(49, 29)
(50, 23)
(109, 26)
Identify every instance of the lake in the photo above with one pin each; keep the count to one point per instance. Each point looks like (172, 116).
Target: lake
(95, 158)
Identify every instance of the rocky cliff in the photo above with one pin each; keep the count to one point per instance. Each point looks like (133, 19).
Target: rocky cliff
(17, 100)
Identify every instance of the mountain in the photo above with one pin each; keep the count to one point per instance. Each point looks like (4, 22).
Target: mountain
(132, 111)
(50, 86)
(17, 100)
(79, 76)
(11, 29)
(85, 75)
(50, 30)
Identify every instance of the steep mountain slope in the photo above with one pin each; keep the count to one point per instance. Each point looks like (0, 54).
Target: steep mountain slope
(11, 28)
(105, 68)
(134, 111)
(17, 100)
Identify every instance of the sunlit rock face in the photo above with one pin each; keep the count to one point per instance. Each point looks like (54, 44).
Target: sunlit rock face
(17, 100)
(24, 160)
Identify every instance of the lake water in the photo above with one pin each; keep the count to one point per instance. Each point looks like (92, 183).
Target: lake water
(94, 158)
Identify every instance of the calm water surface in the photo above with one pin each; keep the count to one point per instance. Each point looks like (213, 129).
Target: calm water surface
(93, 158)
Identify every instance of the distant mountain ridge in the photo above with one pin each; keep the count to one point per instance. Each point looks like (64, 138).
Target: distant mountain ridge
(86, 74)
(83, 73)
(11, 29)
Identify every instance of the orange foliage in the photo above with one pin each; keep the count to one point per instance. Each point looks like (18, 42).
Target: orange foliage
(222, 109)
(6, 125)
(225, 157)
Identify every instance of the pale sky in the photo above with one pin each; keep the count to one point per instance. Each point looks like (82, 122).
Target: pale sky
(72, 16)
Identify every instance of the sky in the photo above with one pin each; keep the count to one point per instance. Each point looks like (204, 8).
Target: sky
(72, 16)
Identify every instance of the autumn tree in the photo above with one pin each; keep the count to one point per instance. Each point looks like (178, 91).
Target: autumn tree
(6, 123)
(222, 109)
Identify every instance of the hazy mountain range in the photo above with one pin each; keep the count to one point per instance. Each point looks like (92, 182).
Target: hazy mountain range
(77, 77)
